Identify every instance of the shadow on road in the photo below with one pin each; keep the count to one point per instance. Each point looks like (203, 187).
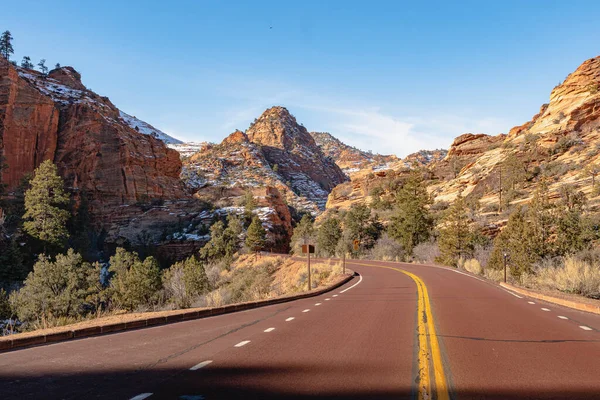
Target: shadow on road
(243, 383)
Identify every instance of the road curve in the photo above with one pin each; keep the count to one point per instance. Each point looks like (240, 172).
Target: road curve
(398, 331)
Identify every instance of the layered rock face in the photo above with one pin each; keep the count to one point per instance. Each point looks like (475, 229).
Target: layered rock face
(559, 142)
(299, 160)
(275, 151)
(28, 126)
(97, 151)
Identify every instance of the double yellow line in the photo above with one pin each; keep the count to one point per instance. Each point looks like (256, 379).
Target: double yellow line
(432, 383)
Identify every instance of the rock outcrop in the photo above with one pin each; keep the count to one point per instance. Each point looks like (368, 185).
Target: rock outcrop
(97, 152)
(351, 160)
(275, 151)
(299, 160)
(557, 145)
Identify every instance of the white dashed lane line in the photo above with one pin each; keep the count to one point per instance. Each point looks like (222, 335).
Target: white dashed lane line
(531, 302)
(562, 317)
(327, 299)
(240, 344)
(318, 304)
(141, 396)
(269, 330)
(200, 365)
(307, 310)
(289, 319)
(545, 309)
(335, 295)
(585, 328)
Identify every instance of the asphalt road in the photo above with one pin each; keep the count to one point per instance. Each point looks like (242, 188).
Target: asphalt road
(397, 331)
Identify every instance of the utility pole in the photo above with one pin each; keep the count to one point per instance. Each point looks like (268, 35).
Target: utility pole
(344, 263)
(500, 194)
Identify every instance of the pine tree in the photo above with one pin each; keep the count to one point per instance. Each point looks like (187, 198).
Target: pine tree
(515, 241)
(45, 219)
(26, 63)
(328, 236)
(224, 241)
(255, 237)
(572, 228)
(456, 237)
(412, 222)
(304, 233)
(57, 66)
(135, 283)
(540, 217)
(185, 281)
(6, 48)
(55, 289)
(43, 68)
(360, 225)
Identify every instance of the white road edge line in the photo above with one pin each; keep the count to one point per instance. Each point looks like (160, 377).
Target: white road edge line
(269, 330)
(289, 319)
(561, 317)
(307, 310)
(200, 365)
(359, 281)
(141, 396)
(318, 304)
(531, 302)
(240, 344)
(585, 328)
(516, 295)
(545, 309)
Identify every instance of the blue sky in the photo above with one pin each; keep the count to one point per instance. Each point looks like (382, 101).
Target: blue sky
(387, 76)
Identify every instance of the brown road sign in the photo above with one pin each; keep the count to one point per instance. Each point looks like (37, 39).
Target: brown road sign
(356, 244)
(308, 248)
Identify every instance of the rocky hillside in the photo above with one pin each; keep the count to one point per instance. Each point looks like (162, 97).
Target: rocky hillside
(560, 144)
(275, 151)
(120, 164)
(350, 159)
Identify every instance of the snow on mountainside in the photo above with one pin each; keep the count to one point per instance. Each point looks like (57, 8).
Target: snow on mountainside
(187, 149)
(350, 159)
(147, 129)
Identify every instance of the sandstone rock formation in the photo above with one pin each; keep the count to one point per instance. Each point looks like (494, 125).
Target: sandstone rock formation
(97, 152)
(350, 159)
(275, 151)
(557, 145)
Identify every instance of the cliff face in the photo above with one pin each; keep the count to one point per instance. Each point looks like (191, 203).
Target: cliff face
(57, 118)
(299, 160)
(97, 151)
(28, 126)
(559, 143)
(275, 151)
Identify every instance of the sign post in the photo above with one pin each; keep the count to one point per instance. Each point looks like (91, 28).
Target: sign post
(505, 256)
(308, 248)
(344, 263)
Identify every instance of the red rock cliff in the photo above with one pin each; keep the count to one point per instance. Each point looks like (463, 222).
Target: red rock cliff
(57, 118)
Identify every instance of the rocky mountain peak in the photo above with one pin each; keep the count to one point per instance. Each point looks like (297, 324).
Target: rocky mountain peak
(276, 127)
(236, 137)
(67, 76)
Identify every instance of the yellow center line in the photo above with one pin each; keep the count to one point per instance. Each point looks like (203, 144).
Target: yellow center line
(429, 354)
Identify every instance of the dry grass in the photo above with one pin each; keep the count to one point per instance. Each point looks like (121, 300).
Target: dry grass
(572, 276)
(471, 265)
